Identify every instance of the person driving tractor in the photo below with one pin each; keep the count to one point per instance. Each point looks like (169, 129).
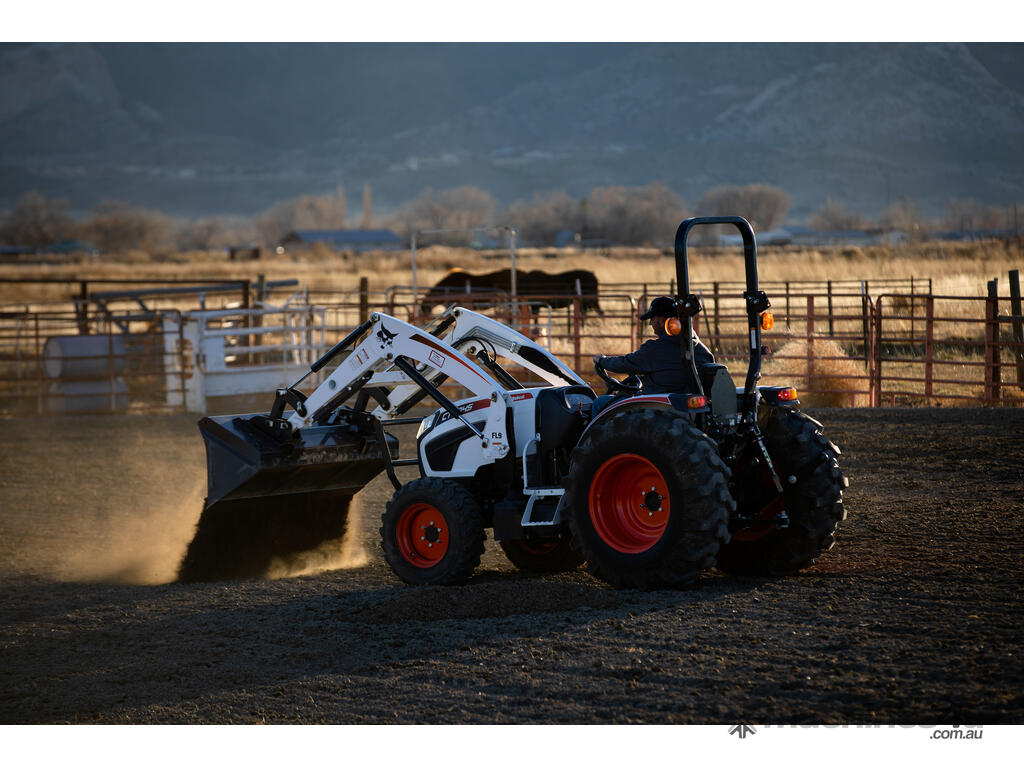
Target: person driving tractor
(659, 361)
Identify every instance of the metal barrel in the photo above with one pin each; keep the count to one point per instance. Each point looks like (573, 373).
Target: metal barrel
(270, 500)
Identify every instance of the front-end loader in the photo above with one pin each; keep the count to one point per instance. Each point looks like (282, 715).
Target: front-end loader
(649, 490)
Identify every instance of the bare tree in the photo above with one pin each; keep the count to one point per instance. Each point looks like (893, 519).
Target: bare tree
(117, 226)
(37, 221)
(966, 213)
(216, 232)
(459, 208)
(904, 216)
(635, 215)
(548, 213)
(367, 221)
(340, 208)
(834, 216)
(763, 205)
(303, 212)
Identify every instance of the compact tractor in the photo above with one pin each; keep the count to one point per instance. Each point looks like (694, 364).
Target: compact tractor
(649, 491)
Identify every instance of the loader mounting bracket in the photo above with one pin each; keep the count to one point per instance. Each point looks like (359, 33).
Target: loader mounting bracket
(278, 430)
(291, 397)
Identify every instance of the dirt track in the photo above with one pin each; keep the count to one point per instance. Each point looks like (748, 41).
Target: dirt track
(915, 617)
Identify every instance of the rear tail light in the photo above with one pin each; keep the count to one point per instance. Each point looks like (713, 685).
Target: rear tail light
(787, 394)
(697, 401)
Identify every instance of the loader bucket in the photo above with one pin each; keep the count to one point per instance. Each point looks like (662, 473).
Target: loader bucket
(270, 500)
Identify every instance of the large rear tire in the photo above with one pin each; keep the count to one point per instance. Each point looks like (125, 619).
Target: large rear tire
(648, 500)
(543, 555)
(432, 532)
(808, 466)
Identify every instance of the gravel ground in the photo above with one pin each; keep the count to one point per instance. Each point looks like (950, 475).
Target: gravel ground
(914, 617)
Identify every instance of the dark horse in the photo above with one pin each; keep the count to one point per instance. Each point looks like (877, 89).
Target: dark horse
(557, 289)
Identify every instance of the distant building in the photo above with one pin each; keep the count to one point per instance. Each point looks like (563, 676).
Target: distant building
(344, 239)
(11, 254)
(800, 235)
(72, 246)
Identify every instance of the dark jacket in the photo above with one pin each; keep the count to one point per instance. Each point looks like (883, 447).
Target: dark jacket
(659, 362)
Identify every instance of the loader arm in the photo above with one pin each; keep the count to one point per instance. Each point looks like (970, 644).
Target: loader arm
(395, 360)
(519, 349)
(464, 332)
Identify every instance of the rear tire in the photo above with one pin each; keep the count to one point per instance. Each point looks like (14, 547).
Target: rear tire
(648, 500)
(814, 503)
(542, 555)
(432, 532)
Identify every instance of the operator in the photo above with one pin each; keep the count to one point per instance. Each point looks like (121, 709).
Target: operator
(659, 361)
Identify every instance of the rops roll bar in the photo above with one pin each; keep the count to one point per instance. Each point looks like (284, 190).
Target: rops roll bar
(756, 301)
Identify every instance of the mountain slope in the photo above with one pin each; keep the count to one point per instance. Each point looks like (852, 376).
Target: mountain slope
(201, 129)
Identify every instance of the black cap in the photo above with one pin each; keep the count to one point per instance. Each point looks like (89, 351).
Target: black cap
(662, 306)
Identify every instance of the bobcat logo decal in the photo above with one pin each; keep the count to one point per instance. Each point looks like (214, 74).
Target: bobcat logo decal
(386, 337)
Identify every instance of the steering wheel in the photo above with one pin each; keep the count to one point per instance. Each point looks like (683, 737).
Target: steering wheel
(630, 385)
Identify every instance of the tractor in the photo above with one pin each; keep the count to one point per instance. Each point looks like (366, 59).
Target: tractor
(649, 491)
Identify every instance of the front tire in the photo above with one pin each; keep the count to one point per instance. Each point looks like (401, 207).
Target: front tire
(432, 532)
(808, 466)
(648, 500)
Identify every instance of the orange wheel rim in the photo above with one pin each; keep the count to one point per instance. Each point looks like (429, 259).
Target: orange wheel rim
(422, 535)
(629, 503)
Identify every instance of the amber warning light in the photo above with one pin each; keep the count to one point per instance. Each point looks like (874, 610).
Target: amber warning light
(789, 393)
(673, 326)
(767, 321)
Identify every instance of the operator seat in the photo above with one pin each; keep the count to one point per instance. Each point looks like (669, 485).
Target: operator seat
(561, 414)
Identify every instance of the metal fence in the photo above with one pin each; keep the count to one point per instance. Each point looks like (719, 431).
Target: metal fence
(833, 340)
(48, 366)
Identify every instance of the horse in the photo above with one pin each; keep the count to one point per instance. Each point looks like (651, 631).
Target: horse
(556, 290)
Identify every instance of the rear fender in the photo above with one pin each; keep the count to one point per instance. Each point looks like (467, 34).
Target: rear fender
(673, 402)
(770, 396)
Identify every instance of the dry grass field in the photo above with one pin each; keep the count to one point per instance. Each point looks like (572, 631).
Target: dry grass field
(958, 269)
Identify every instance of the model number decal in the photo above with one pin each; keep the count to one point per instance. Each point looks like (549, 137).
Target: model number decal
(464, 408)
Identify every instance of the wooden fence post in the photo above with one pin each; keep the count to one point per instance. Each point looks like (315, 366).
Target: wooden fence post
(810, 340)
(913, 309)
(865, 303)
(1017, 324)
(364, 299)
(82, 308)
(929, 343)
(787, 305)
(993, 374)
(831, 323)
(718, 331)
(877, 352)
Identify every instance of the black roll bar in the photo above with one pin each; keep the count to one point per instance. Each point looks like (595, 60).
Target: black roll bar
(756, 300)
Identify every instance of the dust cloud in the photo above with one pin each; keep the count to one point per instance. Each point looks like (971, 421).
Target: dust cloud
(334, 554)
(137, 543)
(117, 500)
